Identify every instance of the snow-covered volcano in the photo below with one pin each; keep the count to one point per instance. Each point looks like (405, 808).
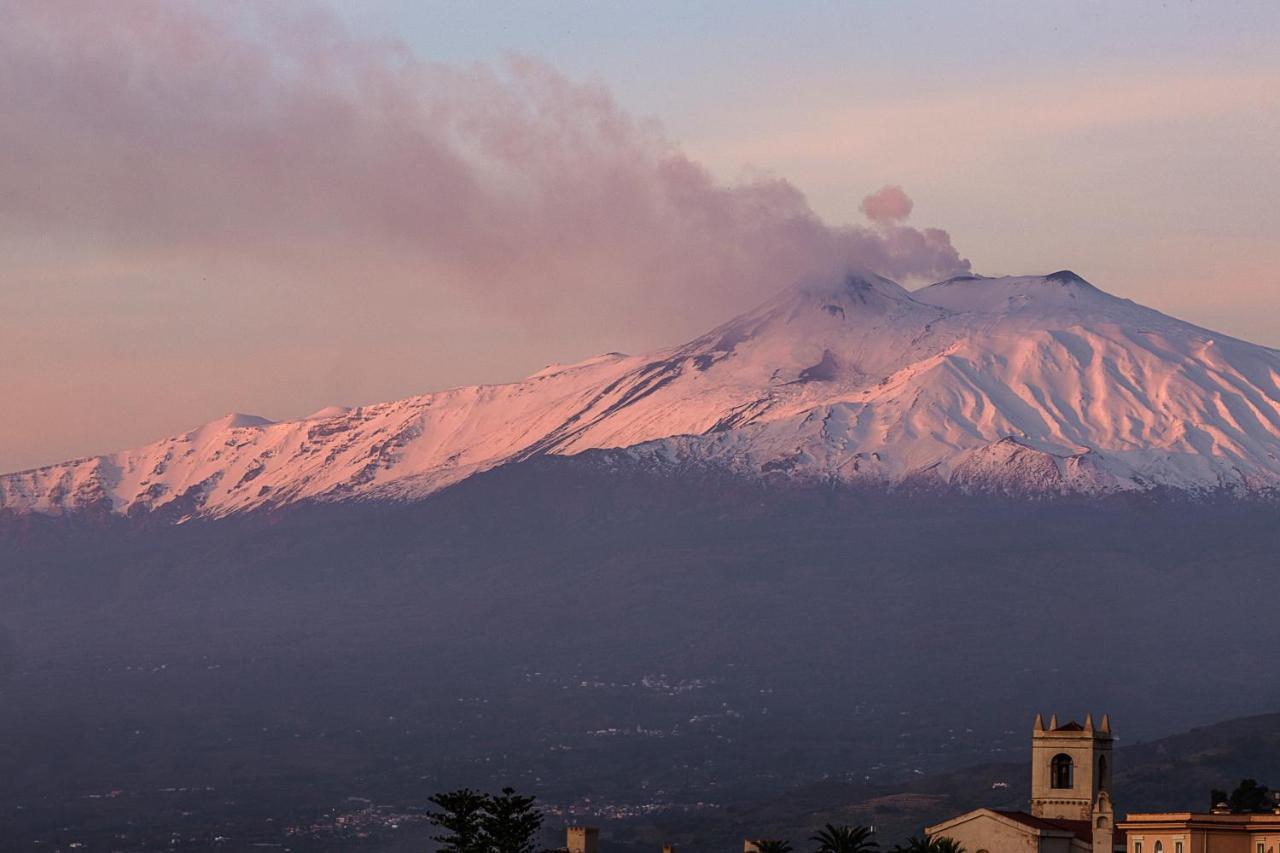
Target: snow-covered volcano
(1038, 384)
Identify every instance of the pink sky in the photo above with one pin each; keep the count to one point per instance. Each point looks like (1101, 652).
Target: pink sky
(207, 211)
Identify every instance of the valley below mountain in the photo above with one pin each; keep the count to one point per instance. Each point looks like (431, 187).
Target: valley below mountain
(620, 641)
(854, 538)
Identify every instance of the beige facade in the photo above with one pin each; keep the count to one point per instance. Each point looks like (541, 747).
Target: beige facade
(1070, 767)
(1192, 832)
(1070, 805)
(989, 831)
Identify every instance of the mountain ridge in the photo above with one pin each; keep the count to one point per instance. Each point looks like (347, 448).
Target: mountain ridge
(1018, 384)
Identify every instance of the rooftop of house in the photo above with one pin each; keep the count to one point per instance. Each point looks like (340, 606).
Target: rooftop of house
(1081, 829)
(1217, 819)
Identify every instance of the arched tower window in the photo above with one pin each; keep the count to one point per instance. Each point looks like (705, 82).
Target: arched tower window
(1159, 848)
(1103, 782)
(1060, 771)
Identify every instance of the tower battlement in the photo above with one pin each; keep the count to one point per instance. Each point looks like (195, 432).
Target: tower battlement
(1070, 767)
(582, 839)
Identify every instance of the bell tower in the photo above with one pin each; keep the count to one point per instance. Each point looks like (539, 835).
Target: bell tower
(1070, 767)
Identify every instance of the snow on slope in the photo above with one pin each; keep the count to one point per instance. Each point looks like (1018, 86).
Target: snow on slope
(1021, 384)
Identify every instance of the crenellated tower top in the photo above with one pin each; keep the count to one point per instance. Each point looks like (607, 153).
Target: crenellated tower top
(1070, 766)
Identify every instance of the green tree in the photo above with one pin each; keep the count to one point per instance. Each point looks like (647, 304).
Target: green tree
(943, 844)
(914, 845)
(461, 815)
(845, 839)
(773, 845)
(1248, 797)
(511, 823)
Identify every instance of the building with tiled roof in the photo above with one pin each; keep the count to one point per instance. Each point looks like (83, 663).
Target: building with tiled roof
(1219, 831)
(1070, 809)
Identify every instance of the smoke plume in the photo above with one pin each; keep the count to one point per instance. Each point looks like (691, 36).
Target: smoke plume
(887, 205)
(280, 152)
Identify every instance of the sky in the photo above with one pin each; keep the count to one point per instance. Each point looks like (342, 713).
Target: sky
(274, 208)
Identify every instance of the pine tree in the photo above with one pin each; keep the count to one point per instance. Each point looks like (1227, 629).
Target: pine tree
(511, 823)
(462, 816)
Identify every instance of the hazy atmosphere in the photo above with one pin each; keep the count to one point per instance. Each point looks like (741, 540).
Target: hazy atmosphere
(278, 208)
(478, 427)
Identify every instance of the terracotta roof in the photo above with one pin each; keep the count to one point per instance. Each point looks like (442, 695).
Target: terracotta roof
(1081, 829)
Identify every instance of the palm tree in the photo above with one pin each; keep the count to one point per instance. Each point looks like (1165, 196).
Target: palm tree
(913, 845)
(943, 844)
(772, 845)
(845, 839)
(925, 844)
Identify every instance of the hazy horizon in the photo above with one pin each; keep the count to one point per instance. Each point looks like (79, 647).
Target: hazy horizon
(697, 421)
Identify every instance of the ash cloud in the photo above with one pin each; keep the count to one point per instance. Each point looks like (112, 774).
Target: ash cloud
(887, 205)
(271, 146)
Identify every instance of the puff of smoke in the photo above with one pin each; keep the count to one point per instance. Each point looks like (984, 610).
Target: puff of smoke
(160, 134)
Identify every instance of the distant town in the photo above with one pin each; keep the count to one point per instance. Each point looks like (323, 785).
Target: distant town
(1070, 811)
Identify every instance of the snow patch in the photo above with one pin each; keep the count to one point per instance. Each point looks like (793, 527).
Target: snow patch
(329, 412)
(1019, 385)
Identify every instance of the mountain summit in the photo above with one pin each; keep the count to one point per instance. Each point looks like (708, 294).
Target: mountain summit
(1028, 384)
